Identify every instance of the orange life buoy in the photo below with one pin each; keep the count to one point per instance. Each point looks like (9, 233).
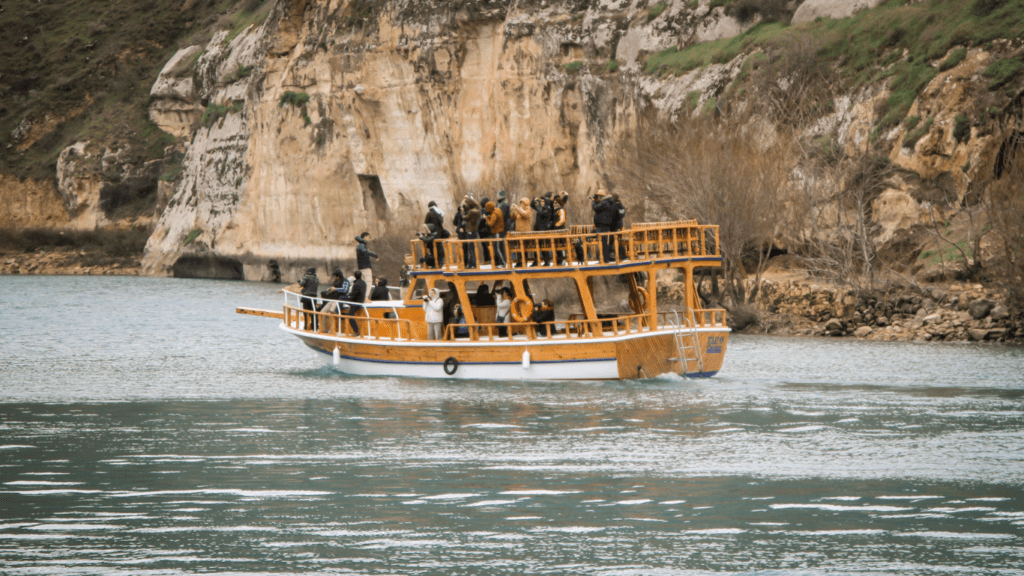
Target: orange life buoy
(522, 309)
(638, 300)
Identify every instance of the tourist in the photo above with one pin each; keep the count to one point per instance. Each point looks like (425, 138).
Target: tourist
(523, 216)
(484, 296)
(434, 215)
(618, 223)
(338, 291)
(380, 291)
(309, 284)
(470, 224)
(558, 223)
(356, 295)
(604, 216)
(504, 304)
(496, 222)
(433, 307)
(363, 256)
(459, 319)
(543, 315)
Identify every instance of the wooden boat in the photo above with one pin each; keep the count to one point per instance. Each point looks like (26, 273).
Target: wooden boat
(586, 273)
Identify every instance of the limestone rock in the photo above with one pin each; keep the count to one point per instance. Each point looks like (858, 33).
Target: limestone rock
(863, 332)
(980, 308)
(999, 312)
(834, 9)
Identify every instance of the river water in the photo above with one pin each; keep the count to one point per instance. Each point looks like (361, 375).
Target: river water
(145, 428)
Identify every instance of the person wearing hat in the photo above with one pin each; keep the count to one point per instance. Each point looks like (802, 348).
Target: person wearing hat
(356, 295)
(309, 284)
(363, 256)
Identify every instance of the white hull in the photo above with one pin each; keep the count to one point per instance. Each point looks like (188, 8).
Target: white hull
(603, 369)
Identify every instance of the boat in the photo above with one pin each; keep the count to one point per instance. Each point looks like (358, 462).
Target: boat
(586, 276)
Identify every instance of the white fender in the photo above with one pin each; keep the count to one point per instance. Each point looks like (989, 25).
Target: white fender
(337, 356)
(526, 359)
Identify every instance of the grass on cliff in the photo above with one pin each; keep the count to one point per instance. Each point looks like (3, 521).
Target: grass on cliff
(899, 40)
(77, 70)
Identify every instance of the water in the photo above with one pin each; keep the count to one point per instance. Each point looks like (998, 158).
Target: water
(145, 428)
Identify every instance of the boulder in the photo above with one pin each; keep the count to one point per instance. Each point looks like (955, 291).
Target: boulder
(834, 327)
(977, 333)
(980, 308)
(999, 312)
(863, 332)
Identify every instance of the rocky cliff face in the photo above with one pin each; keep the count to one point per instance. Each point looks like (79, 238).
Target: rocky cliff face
(338, 116)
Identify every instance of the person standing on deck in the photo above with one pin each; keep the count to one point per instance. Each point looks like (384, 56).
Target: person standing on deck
(618, 223)
(363, 256)
(558, 223)
(309, 284)
(523, 216)
(471, 223)
(434, 216)
(433, 314)
(604, 217)
(496, 222)
(356, 295)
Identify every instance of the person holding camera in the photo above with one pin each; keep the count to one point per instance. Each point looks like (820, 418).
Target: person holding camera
(433, 313)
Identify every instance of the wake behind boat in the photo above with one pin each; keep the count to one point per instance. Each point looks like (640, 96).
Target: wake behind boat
(577, 340)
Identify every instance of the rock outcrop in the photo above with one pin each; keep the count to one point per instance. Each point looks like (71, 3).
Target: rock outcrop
(331, 118)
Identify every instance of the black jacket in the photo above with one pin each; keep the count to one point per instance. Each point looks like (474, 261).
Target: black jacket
(604, 212)
(309, 284)
(544, 211)
(363, 254)
(357, 293)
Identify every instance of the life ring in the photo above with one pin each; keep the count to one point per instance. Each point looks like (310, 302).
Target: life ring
(451, 365)
(524, 303)
(638, 300)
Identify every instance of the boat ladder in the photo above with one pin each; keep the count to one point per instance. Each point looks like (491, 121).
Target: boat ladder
(687, 342)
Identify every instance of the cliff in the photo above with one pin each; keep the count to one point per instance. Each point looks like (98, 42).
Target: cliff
(301, 123)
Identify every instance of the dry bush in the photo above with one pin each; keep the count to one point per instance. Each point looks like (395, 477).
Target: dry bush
(836, 240)
(729, 171)
(1004, 205)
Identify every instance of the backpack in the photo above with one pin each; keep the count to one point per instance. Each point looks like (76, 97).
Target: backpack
(484, 229)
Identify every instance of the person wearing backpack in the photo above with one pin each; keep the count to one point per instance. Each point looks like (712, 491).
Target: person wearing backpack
(496, 225)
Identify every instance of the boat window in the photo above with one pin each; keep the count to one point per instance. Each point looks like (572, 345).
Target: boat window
(561, 291)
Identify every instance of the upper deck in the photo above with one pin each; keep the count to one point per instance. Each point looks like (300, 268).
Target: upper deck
(661, 244)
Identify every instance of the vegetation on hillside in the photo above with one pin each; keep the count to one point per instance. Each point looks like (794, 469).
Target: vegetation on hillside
(899, 40)
(73, 70)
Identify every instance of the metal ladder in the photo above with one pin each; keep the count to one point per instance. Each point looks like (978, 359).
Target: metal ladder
(681, 333)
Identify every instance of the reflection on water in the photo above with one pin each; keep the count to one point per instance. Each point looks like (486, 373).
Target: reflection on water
(146, 428)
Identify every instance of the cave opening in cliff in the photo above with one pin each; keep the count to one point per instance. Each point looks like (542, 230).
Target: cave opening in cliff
(1010, 149)
(373, 196)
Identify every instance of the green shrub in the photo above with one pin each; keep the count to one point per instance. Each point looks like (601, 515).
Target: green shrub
(296, 99)
(911, 122)
(214, 112)
(191, 236)
(1001, 71)
(656, 10)
(692, 99)
(574, 66)
(962, 128)
(238, 74)
(914, 135)
(612, 66)
(955, 57)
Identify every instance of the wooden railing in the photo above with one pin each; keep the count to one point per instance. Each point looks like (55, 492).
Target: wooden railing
(398, 329)
(579, 245)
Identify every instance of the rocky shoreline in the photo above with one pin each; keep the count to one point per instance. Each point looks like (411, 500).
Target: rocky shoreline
(69, 262)
(951, 311)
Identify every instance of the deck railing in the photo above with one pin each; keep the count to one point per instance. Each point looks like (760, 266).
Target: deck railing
(577, 246)
(399, 329)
